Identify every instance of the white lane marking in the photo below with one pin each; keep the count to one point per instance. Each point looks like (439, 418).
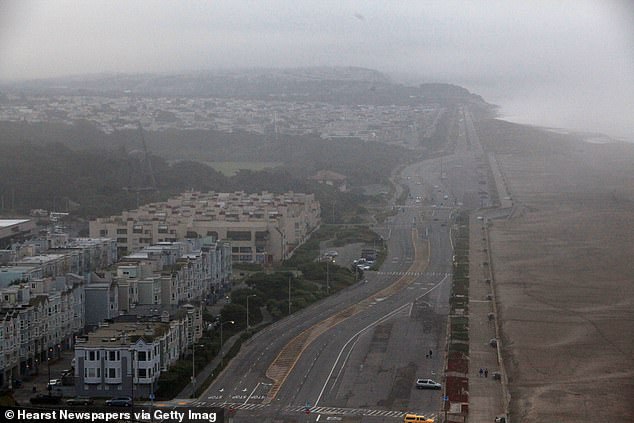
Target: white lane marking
(387, 316)
(252, 392)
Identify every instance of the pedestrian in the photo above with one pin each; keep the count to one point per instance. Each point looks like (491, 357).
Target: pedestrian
(486, 372)
(481, 371)
(430, 353)
(427, 355)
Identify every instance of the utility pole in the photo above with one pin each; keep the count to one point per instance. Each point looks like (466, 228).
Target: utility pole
(48, 362)
(248, 296)
(327, 278)
(193, 369)
(289, 295)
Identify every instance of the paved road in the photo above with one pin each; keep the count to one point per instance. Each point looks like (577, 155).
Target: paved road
(365, 364)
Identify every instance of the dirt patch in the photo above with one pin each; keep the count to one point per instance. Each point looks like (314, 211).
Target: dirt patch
(564, 273)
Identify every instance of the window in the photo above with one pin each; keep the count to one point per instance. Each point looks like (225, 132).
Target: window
(239, 235)
(112, 373)
(141, 356)
(113, 355)
(122, 231)
(142, 373)
(92, 372)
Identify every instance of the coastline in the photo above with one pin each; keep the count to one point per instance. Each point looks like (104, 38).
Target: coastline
(563, 273)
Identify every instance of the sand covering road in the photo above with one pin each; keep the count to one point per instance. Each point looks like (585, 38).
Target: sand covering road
(564, 272)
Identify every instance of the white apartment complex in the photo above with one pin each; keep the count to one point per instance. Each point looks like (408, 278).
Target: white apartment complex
(262, 228)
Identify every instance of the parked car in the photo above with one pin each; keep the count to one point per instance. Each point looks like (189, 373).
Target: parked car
(45, 399)
(79, 401)
(54, 382)
(427, 384)
(120, 402)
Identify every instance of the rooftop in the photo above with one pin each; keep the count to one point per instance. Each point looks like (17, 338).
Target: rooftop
(4, 223)
(124, 333)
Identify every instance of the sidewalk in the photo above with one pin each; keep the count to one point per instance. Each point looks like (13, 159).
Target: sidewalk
(485, 393)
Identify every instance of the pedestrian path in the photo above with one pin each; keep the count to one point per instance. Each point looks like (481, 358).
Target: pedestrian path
(485, 390)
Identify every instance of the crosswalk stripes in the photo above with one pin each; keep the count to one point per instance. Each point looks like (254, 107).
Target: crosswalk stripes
(300, 408)
(347, 411)
(413, 273)
(237, 406)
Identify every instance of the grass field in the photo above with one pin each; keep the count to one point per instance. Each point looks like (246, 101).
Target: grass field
(231, 168)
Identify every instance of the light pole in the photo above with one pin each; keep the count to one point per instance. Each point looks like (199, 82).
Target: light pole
(48, 363)
(249, 296)
(221, 325)
(194, 368)
(327, 278)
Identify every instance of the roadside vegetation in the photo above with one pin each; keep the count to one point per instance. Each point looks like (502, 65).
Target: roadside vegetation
(456, 386)
(309, 281)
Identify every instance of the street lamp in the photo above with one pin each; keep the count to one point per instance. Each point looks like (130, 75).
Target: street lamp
(48, 362)
(194, 369)
(248, 296)
(221, 325)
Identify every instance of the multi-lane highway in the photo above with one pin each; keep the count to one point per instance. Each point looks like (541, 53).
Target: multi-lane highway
(358, 353)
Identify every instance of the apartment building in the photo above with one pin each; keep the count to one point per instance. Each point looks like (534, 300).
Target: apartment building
(172, 273)
(15, 230)
(54, 256)
(126, 357)
(40, 318)
(262, 228)
(102, 300)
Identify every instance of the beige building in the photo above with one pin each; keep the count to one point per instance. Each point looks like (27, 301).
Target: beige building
(262, 228)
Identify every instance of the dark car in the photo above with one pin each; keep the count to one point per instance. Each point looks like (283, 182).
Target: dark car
(45, 399)
(79, 401)
(120, 402)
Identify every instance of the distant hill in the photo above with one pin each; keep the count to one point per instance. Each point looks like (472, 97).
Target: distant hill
(337, 85)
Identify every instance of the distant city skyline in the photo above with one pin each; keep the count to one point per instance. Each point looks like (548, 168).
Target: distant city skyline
(567, 64)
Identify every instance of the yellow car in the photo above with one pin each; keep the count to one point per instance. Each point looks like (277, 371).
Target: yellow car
(416, 418)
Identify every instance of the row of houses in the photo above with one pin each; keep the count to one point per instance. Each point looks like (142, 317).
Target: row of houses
(127, 355)
(43, 312)
(129, 300)
(39, 319)
(168, 273)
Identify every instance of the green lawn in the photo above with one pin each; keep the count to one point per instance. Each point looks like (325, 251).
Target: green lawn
(231, 168)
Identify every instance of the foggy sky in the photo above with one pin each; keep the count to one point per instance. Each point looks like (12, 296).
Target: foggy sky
(567, 63)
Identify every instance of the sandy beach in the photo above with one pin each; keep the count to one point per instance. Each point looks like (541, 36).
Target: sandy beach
(564, 274)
